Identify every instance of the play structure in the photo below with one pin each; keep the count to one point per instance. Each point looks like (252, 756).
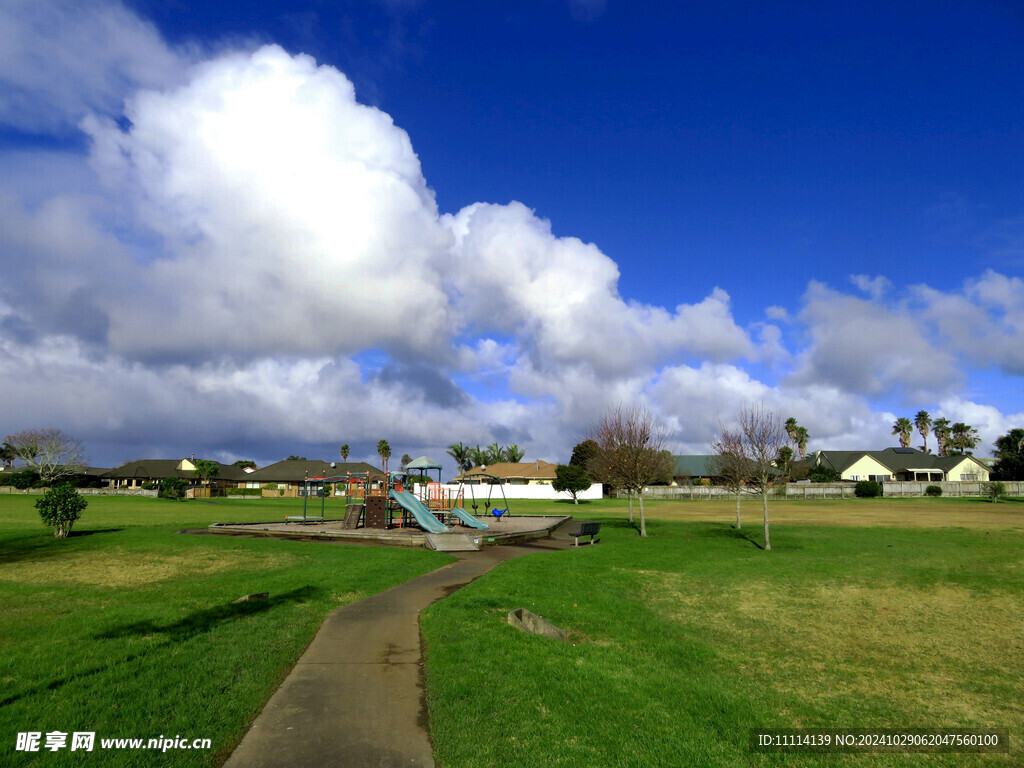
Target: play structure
(383, 501)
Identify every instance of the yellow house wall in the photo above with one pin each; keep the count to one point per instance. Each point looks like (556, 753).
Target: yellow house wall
(968, 467)
(863, 467)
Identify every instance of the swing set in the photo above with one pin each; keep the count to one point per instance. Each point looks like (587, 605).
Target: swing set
(491, 481)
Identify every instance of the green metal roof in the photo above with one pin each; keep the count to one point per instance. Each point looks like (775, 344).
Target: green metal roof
(695, 466)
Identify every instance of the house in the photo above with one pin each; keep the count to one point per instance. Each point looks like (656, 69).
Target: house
(901, 464)
(696, 467)
(291, 476)
(135, 474)
(514, 473)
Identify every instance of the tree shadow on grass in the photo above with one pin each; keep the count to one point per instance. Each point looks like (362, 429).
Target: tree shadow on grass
(729, 531)
(194, 624)
(41, 546)
(200, 622)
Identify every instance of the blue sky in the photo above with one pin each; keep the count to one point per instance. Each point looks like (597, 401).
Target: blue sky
(251, 230)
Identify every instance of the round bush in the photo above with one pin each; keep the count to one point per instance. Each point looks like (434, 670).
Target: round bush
(933, 490)
(60, 507)
(867, 489)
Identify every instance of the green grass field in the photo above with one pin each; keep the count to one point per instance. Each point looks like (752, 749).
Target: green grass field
(128, 630)
(681, 643)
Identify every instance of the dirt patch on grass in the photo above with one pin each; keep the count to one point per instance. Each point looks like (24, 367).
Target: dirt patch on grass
(116, 568)
(945, 654)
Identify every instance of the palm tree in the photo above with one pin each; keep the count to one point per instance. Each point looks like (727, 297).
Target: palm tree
(494, 453)
(800, 437)
(344, 451)
(903, 428)
(941, 430)
(785, 459)
(514, 454)
(384, 451)
(963, 438)
(791, 427)
(477, 457)
(923, 422)
(460, 453)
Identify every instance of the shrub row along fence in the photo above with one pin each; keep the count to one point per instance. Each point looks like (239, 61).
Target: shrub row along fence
(833, 490)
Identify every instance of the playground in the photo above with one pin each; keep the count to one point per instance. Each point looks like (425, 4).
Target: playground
(394, 509)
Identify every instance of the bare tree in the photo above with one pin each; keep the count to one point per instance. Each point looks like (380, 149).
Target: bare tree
(630, 453)
(49, 452)
(732, 464)
(763, 435)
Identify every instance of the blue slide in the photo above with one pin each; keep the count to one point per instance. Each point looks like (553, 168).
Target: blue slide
(426, 521)
(468, 519)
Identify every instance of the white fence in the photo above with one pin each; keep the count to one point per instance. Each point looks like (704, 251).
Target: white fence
(892, 489)
(523, 492)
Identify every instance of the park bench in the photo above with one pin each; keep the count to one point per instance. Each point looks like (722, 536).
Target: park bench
(584, 529)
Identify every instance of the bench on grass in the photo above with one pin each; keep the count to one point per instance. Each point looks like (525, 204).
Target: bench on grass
(584, 529)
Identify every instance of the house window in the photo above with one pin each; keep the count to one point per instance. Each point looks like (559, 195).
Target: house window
(855, 477)
(969, 478)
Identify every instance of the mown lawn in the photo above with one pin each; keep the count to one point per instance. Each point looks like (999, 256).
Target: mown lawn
(129, 630)
(684, 642)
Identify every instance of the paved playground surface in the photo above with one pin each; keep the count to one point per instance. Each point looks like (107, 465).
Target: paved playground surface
(355, 698)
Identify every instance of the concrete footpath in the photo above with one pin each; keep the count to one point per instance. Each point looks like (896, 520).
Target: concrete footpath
(355, 698)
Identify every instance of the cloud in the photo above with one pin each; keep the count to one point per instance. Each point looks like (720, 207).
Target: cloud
(559, 297)
(983, 322)
(875, 287)
(294, 219)
(867, 348)
(65, 58)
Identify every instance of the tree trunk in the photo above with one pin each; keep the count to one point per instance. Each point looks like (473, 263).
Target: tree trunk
(767, 541)
(643, 519)
(737, 510)
(630, 495)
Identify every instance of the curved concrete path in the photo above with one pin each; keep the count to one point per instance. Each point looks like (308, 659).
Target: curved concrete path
(355, 698)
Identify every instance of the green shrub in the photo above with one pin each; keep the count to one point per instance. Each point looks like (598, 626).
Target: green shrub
(995, 491)
(327, 491)
(270, 487)
(149, 485)
(933, 490)
(867, 489)
(823, 474)
(60, 507)
(172, 488)
(24, 479)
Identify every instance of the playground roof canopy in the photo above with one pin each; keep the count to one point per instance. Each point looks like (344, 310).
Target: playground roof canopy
(423, 462)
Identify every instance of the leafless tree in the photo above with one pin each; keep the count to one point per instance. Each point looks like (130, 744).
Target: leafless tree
(733, 464)
(630, 453)
(763, 434)
(49, 452)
